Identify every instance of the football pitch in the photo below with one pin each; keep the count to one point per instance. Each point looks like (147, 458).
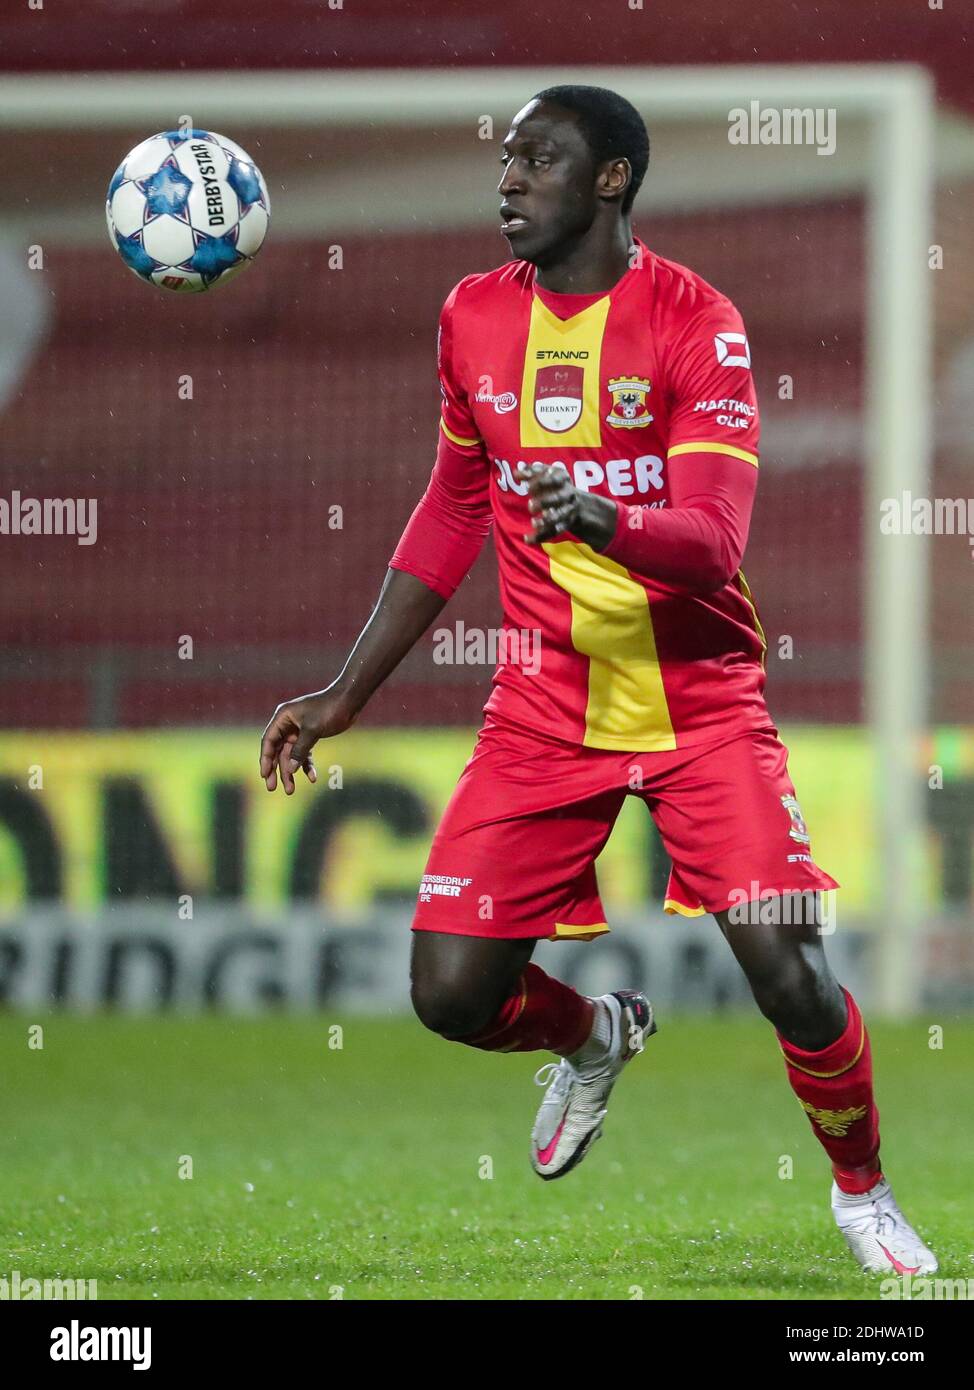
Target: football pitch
(395, 1166)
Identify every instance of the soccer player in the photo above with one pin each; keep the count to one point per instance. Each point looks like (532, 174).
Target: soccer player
(599, 413)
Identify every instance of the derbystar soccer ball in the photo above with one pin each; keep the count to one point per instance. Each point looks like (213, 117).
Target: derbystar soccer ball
(187, 210)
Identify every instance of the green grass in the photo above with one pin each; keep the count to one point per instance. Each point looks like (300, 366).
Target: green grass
(360, 1168)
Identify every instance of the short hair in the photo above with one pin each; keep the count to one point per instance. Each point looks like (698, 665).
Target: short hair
(612, 127)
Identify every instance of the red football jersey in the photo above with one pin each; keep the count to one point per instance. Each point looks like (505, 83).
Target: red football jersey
(643, 394)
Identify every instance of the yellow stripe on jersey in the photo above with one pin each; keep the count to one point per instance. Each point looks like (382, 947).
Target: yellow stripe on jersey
(709, 446)
(581, 336)
(746, 596)
(456, 438)
(626, 708)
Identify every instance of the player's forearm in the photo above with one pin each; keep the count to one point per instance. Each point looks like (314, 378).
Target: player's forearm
(405, 609)
(696, 548)
(696, 542)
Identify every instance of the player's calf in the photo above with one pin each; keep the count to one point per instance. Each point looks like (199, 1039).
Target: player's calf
(484, 992)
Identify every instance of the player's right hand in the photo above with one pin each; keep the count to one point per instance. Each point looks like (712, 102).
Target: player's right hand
(294, 729)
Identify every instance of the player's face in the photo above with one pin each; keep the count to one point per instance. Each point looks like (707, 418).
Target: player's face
(548, 187)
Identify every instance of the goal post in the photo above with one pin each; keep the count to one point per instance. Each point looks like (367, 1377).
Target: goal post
(888, 110)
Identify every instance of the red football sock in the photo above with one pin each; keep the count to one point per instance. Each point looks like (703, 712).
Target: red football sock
(835, 1088)
(542, 1013)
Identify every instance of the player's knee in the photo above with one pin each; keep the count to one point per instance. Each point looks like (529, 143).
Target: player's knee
(450, 1007)
(790, 992)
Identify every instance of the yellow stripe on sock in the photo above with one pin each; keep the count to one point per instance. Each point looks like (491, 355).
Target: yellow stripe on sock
(827, 1075)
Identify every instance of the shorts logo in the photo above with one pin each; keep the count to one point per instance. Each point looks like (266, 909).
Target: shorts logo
(558, 397)
(723, 342)
(441, 886)
(629, 410)
(799, 830)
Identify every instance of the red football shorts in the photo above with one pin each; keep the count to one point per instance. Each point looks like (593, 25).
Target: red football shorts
(514, 853)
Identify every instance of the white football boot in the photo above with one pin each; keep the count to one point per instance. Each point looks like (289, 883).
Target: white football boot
(571, 1114)
(878, 1233)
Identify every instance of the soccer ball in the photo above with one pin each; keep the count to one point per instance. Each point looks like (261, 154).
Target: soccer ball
(187, 210)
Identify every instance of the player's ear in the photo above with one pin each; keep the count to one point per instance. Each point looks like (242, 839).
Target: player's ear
(614, 178)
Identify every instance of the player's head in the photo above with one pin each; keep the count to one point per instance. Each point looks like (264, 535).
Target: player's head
(572, 155)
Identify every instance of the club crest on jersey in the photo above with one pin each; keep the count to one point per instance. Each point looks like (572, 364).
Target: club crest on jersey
(558, 397)
(629, 410)
(799, 830)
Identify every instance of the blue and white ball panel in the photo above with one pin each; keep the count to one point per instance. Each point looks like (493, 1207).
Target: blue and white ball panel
(168, 240)
(233, 148)
(233, 270)
(215, 255)
(127, 209)
(166, 190)
(147, 157)
(135, 256)
(251, 230)
(246, 178)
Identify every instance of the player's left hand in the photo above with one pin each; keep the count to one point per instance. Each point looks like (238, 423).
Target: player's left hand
(553, 500)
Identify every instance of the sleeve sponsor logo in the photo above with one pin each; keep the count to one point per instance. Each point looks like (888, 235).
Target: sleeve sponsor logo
(736, 415)
(725, 345)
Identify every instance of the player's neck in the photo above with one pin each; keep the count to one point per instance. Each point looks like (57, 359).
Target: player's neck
(593, 265)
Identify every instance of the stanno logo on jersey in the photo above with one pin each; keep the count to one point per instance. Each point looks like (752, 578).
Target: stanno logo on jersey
(558, 397)
(723, 342)
(629, 410)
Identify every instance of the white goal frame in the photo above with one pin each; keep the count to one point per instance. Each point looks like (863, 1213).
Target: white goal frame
(897, 102)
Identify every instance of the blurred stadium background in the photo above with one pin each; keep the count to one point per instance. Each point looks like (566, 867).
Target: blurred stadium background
(141, 863)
